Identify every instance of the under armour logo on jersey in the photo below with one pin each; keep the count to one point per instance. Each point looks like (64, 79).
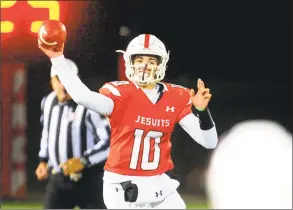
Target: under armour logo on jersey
(160, 193)
(168, 108)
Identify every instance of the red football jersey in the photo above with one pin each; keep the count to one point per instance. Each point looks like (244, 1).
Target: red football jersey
(140, 130)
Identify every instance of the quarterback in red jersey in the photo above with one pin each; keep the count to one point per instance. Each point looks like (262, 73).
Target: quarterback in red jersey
(140, 140)
(142, 114)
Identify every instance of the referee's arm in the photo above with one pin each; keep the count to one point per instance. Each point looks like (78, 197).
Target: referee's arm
(99, 152)
(43, 153)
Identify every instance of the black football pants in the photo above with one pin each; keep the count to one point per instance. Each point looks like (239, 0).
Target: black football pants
(87, 193)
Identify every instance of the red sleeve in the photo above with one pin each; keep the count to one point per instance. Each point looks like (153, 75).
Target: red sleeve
(112, 92)
(117, 91)
(186, 106)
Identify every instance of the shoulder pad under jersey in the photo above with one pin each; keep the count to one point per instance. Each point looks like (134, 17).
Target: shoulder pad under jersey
(181, 91)
(116, 88)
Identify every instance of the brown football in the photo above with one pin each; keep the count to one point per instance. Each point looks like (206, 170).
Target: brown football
(52, 35)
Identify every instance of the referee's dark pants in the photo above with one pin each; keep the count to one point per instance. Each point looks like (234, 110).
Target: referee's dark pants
(87, 193)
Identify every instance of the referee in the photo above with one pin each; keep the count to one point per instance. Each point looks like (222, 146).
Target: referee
(72, 136)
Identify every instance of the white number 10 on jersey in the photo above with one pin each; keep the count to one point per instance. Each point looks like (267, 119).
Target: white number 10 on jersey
(145, 164)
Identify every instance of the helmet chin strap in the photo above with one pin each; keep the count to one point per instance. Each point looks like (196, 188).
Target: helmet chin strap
(144, 84)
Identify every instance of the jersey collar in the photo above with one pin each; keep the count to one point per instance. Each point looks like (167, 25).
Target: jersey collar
(159, 83)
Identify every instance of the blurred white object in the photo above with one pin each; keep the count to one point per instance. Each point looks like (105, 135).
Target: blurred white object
(124, 31)
(75, 177)
(252, 168)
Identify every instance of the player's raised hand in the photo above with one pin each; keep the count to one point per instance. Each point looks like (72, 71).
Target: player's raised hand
(202, 98)
(50, 53)
(51, 37)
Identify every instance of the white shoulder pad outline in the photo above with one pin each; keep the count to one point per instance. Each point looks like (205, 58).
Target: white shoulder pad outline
(177, 86)
(112, 89)
(117, 83)
(189, 102)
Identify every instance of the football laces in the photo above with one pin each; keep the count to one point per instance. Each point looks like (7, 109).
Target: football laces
(43, 32)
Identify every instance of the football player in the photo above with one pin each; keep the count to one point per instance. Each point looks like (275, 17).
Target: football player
(142, 113)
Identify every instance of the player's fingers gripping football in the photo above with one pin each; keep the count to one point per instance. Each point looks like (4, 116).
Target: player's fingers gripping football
(50, 53)
(51, 37)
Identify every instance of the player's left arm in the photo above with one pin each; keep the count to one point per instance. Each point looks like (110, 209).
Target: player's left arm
(196, 120)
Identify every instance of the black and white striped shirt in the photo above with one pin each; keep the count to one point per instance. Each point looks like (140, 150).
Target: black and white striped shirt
(71, 130)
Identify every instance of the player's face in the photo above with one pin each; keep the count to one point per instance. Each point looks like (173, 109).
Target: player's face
(145, 66)
(59, 89)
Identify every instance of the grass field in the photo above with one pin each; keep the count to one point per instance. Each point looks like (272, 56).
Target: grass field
(35, 205)
(191, 204)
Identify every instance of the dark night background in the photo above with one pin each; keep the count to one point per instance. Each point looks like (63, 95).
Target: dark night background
(241, 49)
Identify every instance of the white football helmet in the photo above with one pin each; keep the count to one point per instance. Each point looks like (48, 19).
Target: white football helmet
(145, 44)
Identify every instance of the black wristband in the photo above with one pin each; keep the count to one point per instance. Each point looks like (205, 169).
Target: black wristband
(205, 118)
(42, 159)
